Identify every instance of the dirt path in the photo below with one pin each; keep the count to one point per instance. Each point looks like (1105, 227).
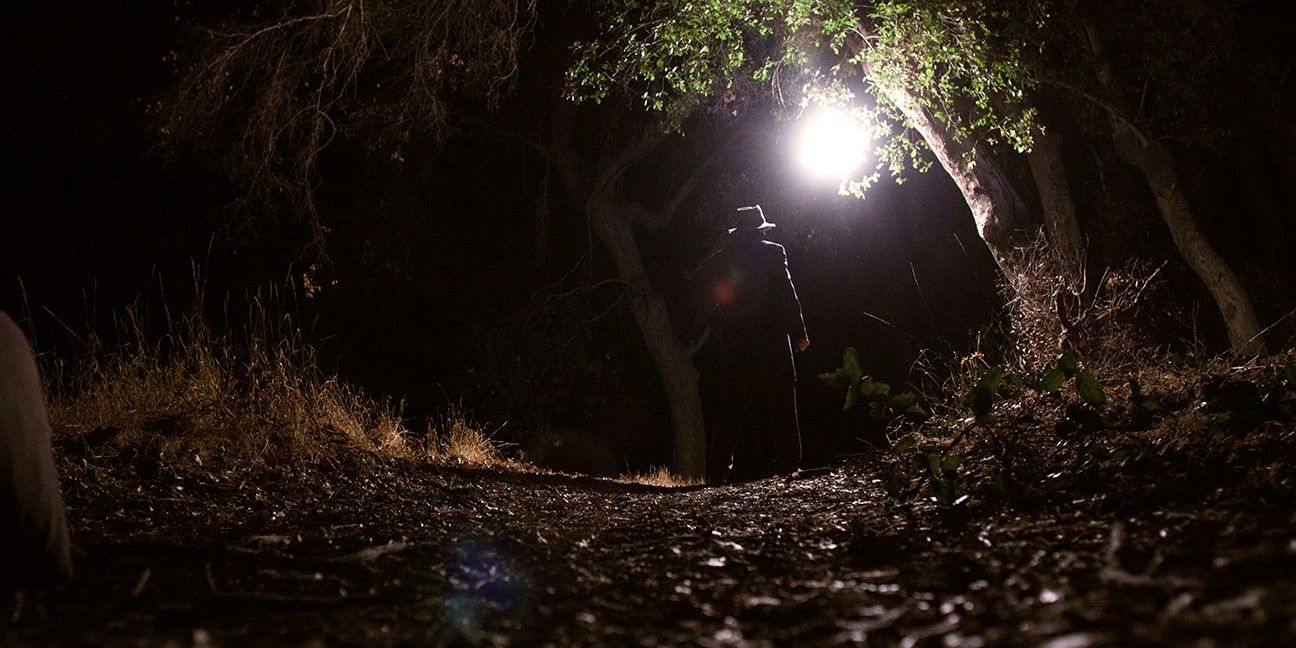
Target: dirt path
(395, 553)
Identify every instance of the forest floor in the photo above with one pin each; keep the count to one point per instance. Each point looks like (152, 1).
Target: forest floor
(371, 550)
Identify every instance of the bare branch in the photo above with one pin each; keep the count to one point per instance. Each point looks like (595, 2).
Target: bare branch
(269, 97)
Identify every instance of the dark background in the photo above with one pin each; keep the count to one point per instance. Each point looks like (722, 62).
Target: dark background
(94, 219)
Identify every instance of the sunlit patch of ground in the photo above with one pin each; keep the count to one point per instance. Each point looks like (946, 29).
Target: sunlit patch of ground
(376, 550)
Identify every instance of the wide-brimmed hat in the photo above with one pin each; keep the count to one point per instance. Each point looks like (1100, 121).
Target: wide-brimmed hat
(751, 219)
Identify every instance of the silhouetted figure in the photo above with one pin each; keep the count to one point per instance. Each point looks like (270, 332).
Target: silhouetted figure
(756, 321)
(34, 546)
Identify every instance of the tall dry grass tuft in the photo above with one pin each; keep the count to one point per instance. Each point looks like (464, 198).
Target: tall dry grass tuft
(660, 476)
(456, 437)
(199, 396)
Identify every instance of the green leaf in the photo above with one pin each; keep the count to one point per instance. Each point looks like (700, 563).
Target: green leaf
(1067, 363)
(1089, 389)
(877, 409)
(982, 401)
(896, 483)
(1290, 370)
(951, 462)
(933, 462)
(1052, 380)
(904, 401)
(851, 364)
(992, 380)
(852, 395)
(916, 411)
(835, 378)
(904, 443)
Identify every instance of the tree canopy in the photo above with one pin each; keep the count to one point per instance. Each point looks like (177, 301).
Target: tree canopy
(960, 60)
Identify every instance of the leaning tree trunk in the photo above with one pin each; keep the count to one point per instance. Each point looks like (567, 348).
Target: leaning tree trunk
(1156, 163)
(1055, 199)
(1230, 296)
(1001, 216)
(614, 226)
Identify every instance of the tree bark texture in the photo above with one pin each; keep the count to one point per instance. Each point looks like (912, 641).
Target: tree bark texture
(1060, 221)
(1230, 296)
(612, 219)
(615, 229)
(1156, 163)
(1001, 216)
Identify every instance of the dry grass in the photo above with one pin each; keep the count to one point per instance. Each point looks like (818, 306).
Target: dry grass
(196, 397)
(660, 476)
(1112, 319)
(456, 437)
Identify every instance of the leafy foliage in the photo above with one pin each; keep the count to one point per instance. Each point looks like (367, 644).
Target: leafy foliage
(1068, 368)
(907, 469)
(982, 397)
(959, 60)
(679, 53)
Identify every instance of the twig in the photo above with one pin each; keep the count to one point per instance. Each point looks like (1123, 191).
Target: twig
(1266, 329)
(1113, 574)
(580, 289)
(700, 342)
(218, 592)
(923, 295)
(681, 539)
(141, 582)
(911, 337)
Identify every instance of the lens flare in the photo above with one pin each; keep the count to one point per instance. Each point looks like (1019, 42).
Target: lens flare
(833, 143)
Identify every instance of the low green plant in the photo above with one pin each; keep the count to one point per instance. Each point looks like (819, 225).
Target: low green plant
(882, 404)
(909, 468)
(1067, 368)
(906, 469)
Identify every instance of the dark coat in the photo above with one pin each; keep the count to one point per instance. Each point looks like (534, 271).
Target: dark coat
(752, 305)
(754, 314)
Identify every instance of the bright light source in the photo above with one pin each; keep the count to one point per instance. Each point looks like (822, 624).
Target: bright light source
(833, 143)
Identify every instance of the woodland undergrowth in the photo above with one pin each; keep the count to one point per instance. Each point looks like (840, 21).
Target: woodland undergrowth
(203, 398)
(199, 397)
(1079, 391)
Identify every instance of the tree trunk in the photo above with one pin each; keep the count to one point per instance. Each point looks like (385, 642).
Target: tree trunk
(1157, 165)
(1001, 216)
(612, 220)
(613, 224)
(1230, 296)
(1055, 198)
